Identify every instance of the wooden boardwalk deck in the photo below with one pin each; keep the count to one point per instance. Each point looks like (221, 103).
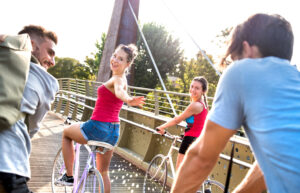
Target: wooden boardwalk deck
(125, 177)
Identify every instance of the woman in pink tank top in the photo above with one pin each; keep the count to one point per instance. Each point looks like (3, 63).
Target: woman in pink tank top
(194, 115)
(104, 124)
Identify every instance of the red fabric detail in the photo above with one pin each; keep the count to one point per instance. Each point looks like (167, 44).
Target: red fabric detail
(199, 120)
(107, 106)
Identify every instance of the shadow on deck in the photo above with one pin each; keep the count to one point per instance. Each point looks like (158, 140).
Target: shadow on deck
(125, 177)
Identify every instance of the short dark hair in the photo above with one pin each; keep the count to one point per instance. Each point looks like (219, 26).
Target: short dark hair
(272, 34)
(39, 31)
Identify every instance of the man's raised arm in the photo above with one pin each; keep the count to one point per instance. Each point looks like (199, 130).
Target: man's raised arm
(201, 158)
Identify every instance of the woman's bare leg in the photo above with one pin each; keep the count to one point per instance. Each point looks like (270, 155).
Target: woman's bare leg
(180, 157)
(103, 162)
(71, 134)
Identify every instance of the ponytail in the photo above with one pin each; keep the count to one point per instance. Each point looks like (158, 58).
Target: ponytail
(205, 101)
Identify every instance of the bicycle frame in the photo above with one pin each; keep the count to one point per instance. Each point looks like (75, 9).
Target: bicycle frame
(91, 163)
(168, 160)
(168, 157)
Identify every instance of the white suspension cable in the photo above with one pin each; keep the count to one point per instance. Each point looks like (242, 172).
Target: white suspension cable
(193, 40)
(153, 61)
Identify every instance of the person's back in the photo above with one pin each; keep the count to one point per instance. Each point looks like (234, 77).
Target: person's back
(270, 108)
(39, 92)
(261, 92)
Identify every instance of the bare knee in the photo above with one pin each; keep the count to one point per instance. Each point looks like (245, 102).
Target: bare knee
(66, 134)
(73, 133)
(104, 173)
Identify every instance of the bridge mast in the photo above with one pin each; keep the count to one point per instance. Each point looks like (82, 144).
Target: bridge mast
(122, 30)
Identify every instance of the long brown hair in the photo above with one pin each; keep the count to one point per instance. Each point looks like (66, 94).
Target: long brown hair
(204, 84)
(130, 50)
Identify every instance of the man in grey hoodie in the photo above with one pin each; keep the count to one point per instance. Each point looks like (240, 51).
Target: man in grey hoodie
(39, 92)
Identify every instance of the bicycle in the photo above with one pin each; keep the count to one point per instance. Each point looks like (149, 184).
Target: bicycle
(91, 179)
(157, 173)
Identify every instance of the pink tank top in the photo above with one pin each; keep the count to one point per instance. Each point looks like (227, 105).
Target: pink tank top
(195, 123)
(107, 106)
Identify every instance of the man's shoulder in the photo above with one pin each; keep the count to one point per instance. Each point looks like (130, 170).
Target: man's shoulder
(38, 75)
(257, 67)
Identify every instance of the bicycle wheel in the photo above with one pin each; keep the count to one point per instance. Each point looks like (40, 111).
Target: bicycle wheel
(58, 170)
(92, 183)
(156, 175)
(212, 186)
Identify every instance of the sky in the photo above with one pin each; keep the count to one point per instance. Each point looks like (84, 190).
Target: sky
(79, 24)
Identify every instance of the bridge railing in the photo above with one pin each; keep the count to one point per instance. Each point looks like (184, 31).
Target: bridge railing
(156, 100)
(138, 141)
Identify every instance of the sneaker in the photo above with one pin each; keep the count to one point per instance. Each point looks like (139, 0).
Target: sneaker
(64, 180)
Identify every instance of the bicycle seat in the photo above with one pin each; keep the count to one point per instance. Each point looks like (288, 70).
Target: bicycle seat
(105, 145)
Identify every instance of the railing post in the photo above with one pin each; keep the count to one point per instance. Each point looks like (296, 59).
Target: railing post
(86, 111)
(128, 91)
(58, 107)
(66, 111)
(94, 94)
(75, 109)
(156, 103)
(74, 113)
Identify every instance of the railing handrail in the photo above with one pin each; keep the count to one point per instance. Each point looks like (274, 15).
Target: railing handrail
(138, 88)
(156, 101)
(223, 156)
(232, 139)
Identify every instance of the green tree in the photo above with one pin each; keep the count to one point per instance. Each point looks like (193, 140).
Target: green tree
(222, 38)
(70, 68)
(186, 70)
(165, 50)
(94, 61)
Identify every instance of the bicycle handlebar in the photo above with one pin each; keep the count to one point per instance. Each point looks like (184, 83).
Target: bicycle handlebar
(168, 134)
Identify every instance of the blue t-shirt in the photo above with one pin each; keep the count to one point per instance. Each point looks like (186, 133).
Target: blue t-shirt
(263, 96)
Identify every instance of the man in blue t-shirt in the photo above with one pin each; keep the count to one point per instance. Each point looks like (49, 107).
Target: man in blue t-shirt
(261, 92)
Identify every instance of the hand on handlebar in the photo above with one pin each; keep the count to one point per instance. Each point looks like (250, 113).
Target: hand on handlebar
(161, 131)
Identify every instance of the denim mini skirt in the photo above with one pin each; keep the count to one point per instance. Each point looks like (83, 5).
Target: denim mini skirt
(100, 131)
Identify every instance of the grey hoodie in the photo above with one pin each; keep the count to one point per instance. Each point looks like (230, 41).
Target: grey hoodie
(15, 145)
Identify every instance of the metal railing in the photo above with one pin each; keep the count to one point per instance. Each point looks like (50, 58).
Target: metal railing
(77, 96)
(156, 100)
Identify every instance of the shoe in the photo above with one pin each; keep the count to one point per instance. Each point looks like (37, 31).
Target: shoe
(64, 180)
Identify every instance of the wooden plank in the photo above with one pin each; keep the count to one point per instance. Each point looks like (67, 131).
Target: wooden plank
(125, 177)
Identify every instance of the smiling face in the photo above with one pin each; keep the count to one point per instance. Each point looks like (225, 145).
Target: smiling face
(44, 51)
(196, 90)
(118, 62)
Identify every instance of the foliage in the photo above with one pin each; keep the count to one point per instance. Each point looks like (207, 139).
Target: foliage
(187, 70)
(222, 38)
(165, 50)
(94, 62)
(222, 41)
(70, 68)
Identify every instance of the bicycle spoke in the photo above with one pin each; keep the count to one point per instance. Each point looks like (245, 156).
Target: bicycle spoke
(92, 183)
(156, 175)
(57, 171)
(211, 186)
